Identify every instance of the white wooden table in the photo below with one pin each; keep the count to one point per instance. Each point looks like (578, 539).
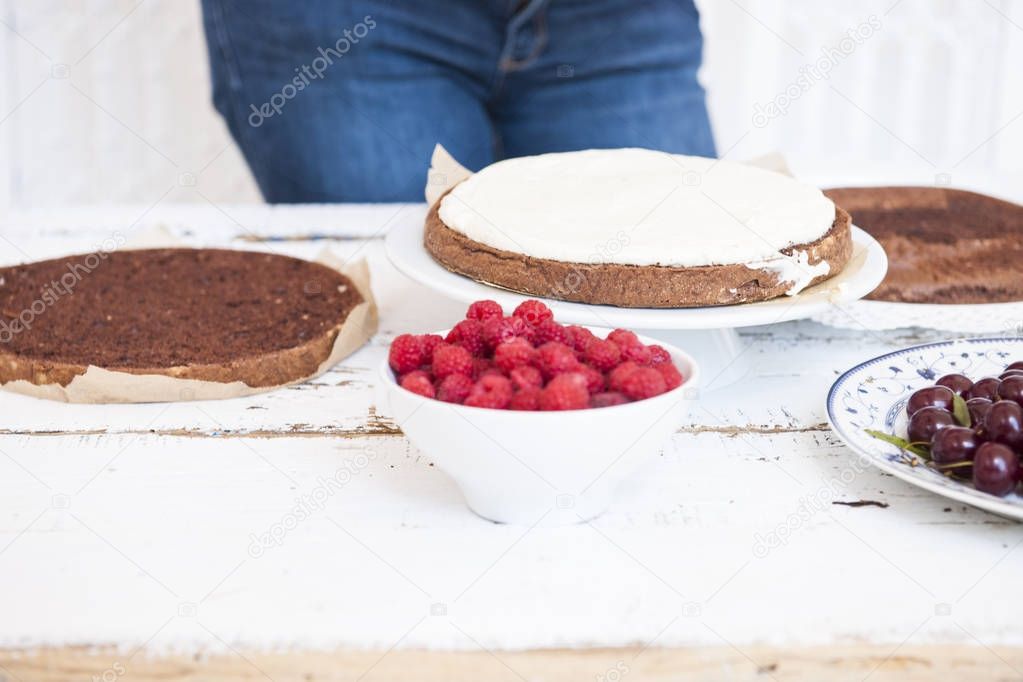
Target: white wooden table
(212, 540)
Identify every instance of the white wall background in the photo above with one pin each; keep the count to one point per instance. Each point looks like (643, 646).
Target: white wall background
(108, 100)
(935, 89)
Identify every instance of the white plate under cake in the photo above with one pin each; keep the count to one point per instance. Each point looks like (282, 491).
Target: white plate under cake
(639, 228)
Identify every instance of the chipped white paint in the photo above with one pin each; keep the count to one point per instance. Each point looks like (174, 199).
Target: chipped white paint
(303, 519)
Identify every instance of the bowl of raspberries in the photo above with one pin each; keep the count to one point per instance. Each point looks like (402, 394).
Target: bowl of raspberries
(537, 422)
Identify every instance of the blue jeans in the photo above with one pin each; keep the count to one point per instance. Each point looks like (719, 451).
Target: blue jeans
(344, 100)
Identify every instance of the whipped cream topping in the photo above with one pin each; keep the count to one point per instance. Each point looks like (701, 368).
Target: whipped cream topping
(638, 207)
(795, 269)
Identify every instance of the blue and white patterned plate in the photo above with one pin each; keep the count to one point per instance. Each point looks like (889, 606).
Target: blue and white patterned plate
(873, 395)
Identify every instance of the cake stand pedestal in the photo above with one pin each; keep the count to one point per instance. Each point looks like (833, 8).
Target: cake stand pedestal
(720, 352)
(708, 334)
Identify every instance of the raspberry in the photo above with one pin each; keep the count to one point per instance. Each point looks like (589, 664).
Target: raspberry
(525, 399)
(406, 354)
(469, 335)
(532, 312)
(481, 365)
(419, 382)
(578, 337)
(490, 391)
(454, 388)
(448, 360)
(616, 377)
(514, 353)
(658, 355)
(645, 382)
(554, 357)
(484, 310)
(608, 399)
(602, 354)
(594, 379)
(414, 373)
(623, 337)
(499, 329)
(429, 343)
(672, 377)
(528, 333)
(638, 353)
(525, 377)
(549, 330)
(491, 372)
(565, 392)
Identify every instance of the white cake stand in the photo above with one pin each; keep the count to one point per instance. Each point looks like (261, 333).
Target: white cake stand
(707, 333)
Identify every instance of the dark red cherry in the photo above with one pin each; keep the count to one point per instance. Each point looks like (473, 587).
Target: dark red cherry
(1011, 373)
(927, 421)
(995, 469)
(1004, 424)
(1011, 388)
(957, 382)
(932, 396)
(1016, 365)
(984, 388)
(978, 410)
(955, 445)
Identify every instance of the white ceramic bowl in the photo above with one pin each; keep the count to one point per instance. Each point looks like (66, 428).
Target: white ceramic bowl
(542, 468)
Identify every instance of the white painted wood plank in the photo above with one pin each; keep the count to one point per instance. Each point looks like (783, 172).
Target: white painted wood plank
(158, 544)
(205, 223)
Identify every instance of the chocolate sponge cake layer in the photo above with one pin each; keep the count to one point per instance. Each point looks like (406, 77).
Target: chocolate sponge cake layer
(943, 245)
(631, 286)
(209, 314)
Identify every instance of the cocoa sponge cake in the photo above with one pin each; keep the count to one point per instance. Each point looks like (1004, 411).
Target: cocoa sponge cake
(944, 245)
(255, 320)
(638, 228)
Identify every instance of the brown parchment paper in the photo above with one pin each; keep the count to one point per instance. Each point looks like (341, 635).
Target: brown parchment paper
(98, 385)
(444, 174)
